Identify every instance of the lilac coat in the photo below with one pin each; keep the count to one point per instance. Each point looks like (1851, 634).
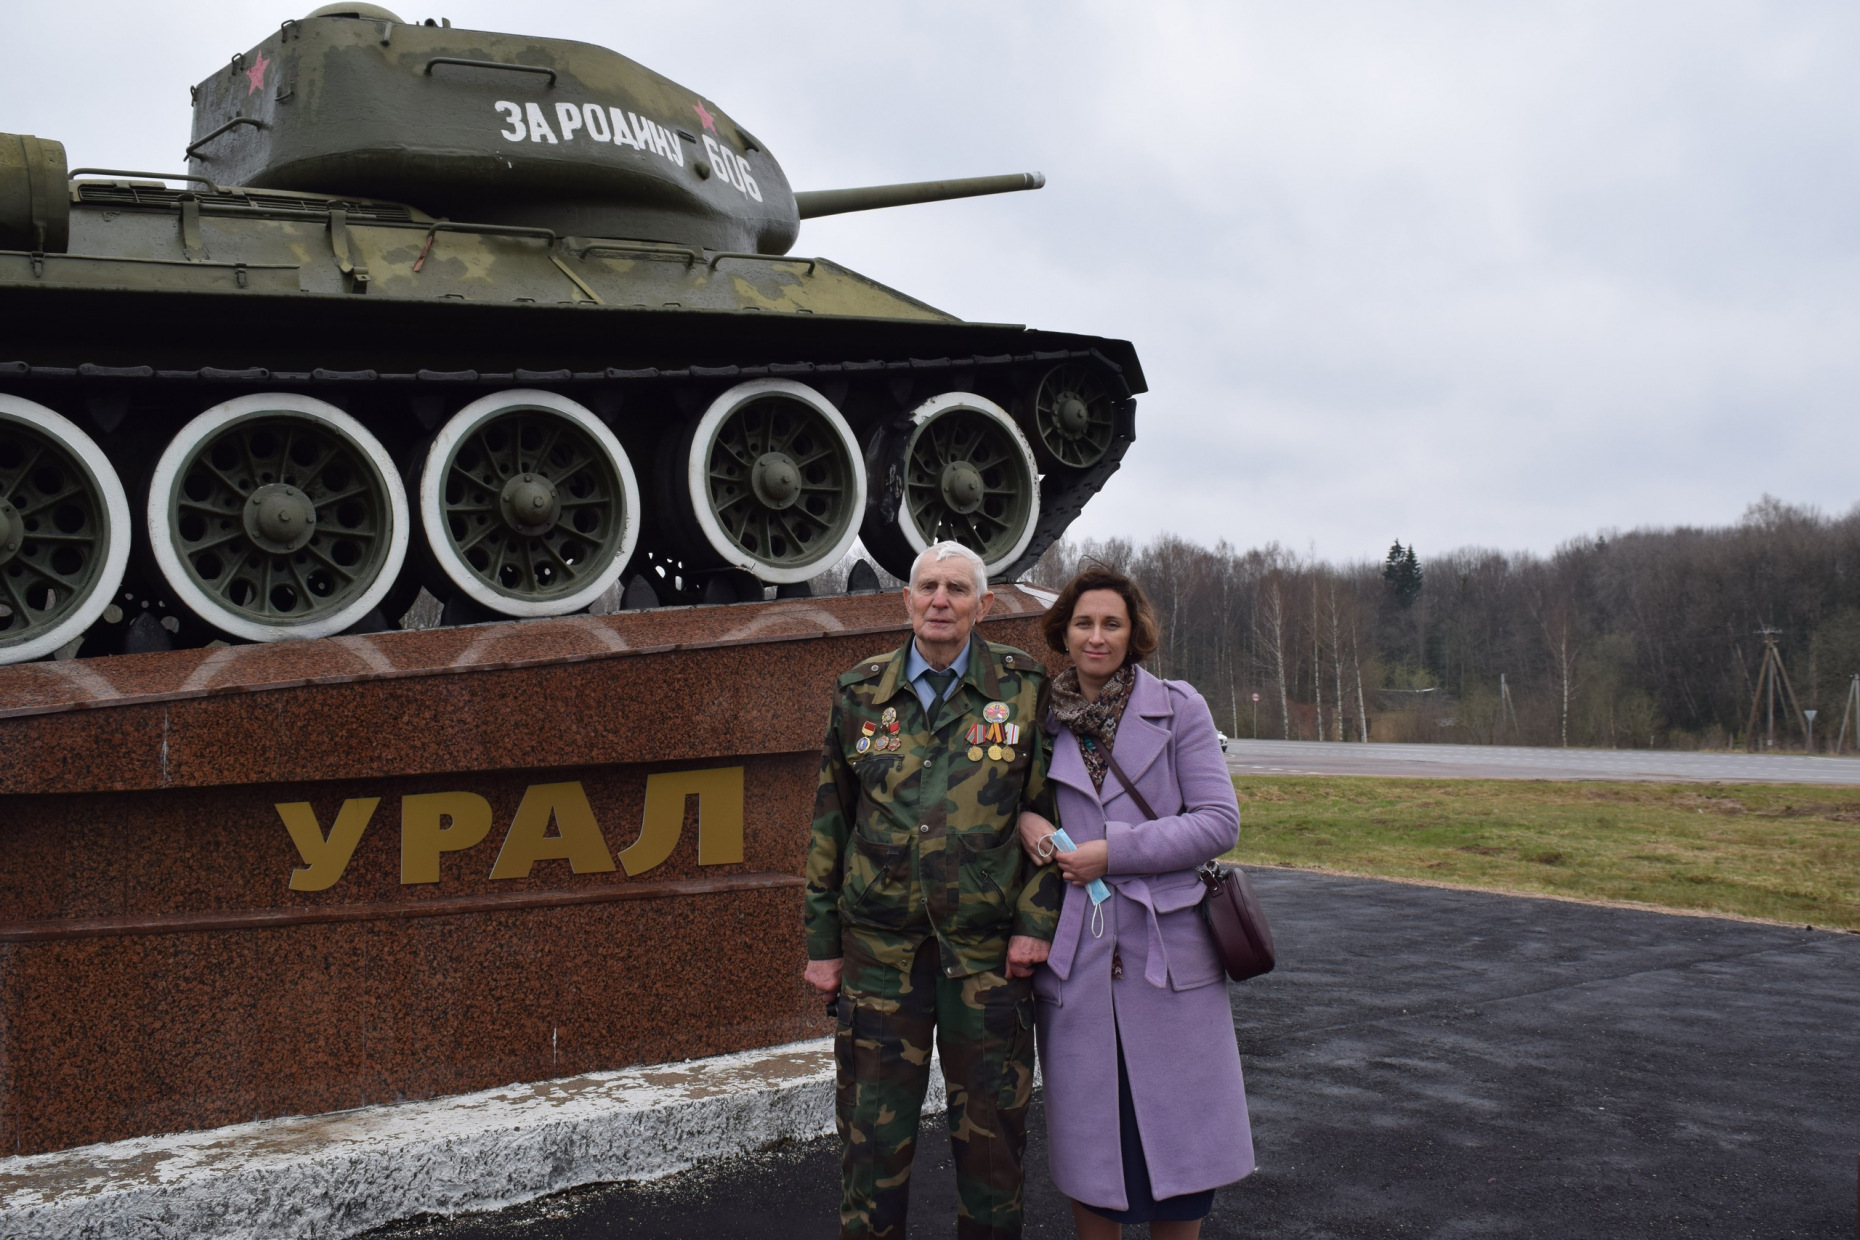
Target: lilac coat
(1171, 1005)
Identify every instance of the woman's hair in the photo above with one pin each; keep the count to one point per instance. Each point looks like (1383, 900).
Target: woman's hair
(1143, 630)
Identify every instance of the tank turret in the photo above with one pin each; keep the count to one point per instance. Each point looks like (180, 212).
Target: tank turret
(506, 129)
(510, 320)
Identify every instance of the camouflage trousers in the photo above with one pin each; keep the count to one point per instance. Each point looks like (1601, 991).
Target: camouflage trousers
(983, 1026)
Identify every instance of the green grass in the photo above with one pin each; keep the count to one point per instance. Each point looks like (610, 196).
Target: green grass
(1782, 852)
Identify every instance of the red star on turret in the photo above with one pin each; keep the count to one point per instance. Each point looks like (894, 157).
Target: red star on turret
(710, 122)
(256, 75)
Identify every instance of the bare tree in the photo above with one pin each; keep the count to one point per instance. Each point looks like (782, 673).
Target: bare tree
(1317, 657)
(1336, 659)
(1362, 715)
(1270, 622)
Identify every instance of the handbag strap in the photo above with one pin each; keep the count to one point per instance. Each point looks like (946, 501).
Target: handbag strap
(1130, 785)
(1209, 872)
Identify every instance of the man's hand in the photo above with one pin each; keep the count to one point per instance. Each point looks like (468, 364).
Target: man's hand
(1024, 952)
(1088, 861)
(1033, 829)
(824, 976)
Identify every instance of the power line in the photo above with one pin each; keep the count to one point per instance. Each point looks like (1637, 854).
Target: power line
(1772, 683)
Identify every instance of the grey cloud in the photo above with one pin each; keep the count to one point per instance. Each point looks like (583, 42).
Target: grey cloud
(1467, 273)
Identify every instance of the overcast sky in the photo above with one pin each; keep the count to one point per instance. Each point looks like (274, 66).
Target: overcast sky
(1454, 273)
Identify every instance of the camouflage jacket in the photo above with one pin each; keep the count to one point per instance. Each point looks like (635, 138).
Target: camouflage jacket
(915, 832)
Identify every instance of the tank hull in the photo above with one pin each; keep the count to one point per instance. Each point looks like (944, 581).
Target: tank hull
(133, 364)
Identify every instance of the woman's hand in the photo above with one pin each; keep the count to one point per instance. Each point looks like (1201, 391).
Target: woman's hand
(1033, 830)
(1088, 861)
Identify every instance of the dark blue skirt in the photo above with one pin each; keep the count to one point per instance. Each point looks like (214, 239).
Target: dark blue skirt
(1143, 1207)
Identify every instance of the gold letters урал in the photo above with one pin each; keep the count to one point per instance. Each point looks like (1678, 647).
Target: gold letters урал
(439, 822)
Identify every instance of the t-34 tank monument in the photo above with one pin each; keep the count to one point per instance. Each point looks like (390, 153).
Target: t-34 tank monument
(494, 315)
(513, 320)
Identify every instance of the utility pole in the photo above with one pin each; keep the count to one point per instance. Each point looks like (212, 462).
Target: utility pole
(1772, 682)
(1850, 712)
(1507, 707)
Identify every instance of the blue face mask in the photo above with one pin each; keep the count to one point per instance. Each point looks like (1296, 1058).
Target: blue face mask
(1096, 888)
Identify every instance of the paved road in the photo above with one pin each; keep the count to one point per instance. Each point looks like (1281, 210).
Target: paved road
(1435, 1063)
(1250, 757)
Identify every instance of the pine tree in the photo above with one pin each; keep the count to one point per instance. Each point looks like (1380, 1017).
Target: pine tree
(1402, 572)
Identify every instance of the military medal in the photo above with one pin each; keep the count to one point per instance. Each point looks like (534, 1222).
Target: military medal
(867, 727)
(975, 734)
(994, 753)
(1007, 755)
(864, 743)
(975, 753)
(995, 712)
(1011, 734)
(889, 717)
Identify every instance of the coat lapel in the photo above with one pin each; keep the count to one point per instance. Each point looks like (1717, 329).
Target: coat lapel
(1139, 741)
(1068, 767)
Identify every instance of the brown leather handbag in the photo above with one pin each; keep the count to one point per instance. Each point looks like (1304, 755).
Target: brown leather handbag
(1242, 938)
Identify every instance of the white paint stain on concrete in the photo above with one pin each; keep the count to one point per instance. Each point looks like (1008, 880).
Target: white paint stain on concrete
(322, 1177)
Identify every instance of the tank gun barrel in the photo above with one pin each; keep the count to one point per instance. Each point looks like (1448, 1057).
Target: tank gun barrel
(819, 202)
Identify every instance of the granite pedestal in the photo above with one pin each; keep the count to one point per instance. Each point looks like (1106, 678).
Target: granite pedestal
(257, 881)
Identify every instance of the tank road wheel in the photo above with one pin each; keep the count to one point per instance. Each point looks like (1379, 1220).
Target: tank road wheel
(277, 516)
(530, 504)
(966, 475)
(1074, 416)
(64, 531)
(775, 480)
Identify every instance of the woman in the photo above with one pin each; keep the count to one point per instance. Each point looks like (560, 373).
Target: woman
(1145, 1108)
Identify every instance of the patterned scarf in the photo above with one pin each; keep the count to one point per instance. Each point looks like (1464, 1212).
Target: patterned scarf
(1094, 723)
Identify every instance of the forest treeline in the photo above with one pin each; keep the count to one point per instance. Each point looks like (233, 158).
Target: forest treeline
(1645, 638)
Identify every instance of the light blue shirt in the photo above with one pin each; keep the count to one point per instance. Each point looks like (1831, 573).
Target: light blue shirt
(915, 665)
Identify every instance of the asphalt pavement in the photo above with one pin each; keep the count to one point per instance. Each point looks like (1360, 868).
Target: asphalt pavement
(1438, 1063)
(1253, 757)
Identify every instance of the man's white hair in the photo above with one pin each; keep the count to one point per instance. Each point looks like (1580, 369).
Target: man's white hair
(952, 551)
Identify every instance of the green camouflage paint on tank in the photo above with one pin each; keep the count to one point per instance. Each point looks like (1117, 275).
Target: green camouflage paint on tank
(399, 220)
(135, 235)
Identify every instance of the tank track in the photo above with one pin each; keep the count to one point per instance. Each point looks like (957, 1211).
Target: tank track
(133, 409)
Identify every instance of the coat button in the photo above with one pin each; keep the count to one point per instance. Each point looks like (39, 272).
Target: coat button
(924, 827)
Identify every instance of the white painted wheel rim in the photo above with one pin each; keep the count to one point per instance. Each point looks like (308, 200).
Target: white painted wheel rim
(167, 477)
(698, 491)
(117, 536)
(950, 402)
(463, 425)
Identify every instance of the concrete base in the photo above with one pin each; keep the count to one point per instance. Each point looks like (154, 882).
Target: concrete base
(327, 1176)
(187, 940)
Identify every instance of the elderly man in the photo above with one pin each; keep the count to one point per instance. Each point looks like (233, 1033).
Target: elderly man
(921, 917)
